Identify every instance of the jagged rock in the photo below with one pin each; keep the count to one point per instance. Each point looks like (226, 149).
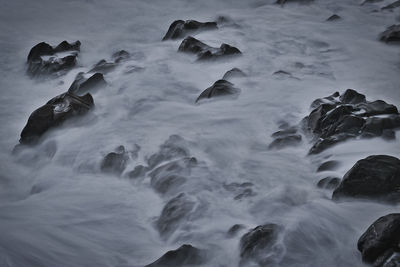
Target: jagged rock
(258, 244)
(115, 162)
(380, 243)
(218, 89)
(392, 34)
(328, 166)
(328, 183)
(173, 148)
(206, 52)
(82, 85)
(180, 29)
(38, 64)
(233, 73)
(392, 5)
(334, 17)
(53, 113)
(173, 213)
(186, 255)
(375, 178)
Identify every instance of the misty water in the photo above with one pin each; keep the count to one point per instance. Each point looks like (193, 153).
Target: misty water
(58, 209)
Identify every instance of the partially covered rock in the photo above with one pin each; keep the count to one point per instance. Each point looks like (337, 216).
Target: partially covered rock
(328, 166)
(54, 113)
(173, 148)
(334, 17)
(218, 89)
(180, 29)
(83, 85)
(375, 178)
(206, 52)
(234, 230)
(43, 58)
(259, 244)
(186, 255)
(288, 136)
(120, 56)
(115, 162)
(173, 214)
(392, 34)
(233, 73)
(138, 171)
(392, 5)
(380, 243)
(328, 183)
(104, 67)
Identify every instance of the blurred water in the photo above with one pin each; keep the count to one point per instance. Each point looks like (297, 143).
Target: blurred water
(58, 209)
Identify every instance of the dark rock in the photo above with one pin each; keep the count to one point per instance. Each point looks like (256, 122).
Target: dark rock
(174, 212)
(186, 255)
(180, 29)
(115, 162)
(206, 52)
(325, 143)
(284, 133)
(233, 73)
(377, 107)
(120, 56)
(258, 244)
(39, 66)
(352, 97)
(329, 183)
(392, 5)
(375, 178)
(234, 230)
(334, 17)
(218, 89)
(139, 171)
(173, 148)
(381, 241)
(328, 166)
(54, 113)
(392, 34)
(281, 142)
(333, 100)
(377, 126)
(103, 67)
(81, 85)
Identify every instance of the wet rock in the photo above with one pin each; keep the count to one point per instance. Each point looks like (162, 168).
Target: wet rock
(233, 73)
(218, 89)
(258, 244)
(186, 255)
(83, 85)
(380, 243)
(328, 183)
(103, 67)
(328, 166)
(352, 97)
(284, 74)
(377, 126)
(180, 29)
(281, 142)
(234, 230)
(392, 34)
(173, 214)
(392, 5)
(54, 113)
(283, 133)
(139, 171)
(334, 17)
(115, 162)
(43, 58)
(377, 107)
(120, 56)
(331, 100)
(375, 178)
(173, 148)
(206, 52)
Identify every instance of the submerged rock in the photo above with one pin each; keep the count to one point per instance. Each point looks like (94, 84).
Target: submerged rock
(380, 243)
(82, 85)
(185, 255)
(233, 73)
(329, 183)
(392, 5)
(180, 29)
(104, 67)
(288, 136)
(334, 17)
(218, 89)
(115, 162)
(43, 59)
(375, 177)
(328, 166)
(206, 52)
(173, 148)
(392, 34)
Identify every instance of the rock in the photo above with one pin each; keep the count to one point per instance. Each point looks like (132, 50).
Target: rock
(381, 241)
(329, 183)
(334, 17)
(332, 100)
(377, 107)
(174, 212)
(282, 2)
(234, 230)
(375, 178)
(281, 142)
(218, 89)
(173, 148)
(180, 29)
(283, 133)
(103, 67)
(233, 73)
(54, 113)
(82, 85)
(377, 126)
(120, 56)
(328, 166)
(352, 97)
(205, 52)
(241, 190)
(185, 255)
(139, 171)
(115, 162)
(392, 5)
(43, 59)
(370, 2)
(392, 34)
(258, 244)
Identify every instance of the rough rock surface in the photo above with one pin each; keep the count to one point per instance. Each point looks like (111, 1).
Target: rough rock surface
(379, 244)
(375, 177)
(185, 255)
(180, 29)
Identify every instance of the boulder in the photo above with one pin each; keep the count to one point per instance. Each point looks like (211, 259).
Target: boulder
(234, 230)
(375, 178)
(391, 34)
(138, 171)
(218, 89)
(83, 85)
(206, 52)
(380, 243)
(180, 29)
(328, 183)
(43, 58)
(233, 73)
(185, 255)
(115, 162)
